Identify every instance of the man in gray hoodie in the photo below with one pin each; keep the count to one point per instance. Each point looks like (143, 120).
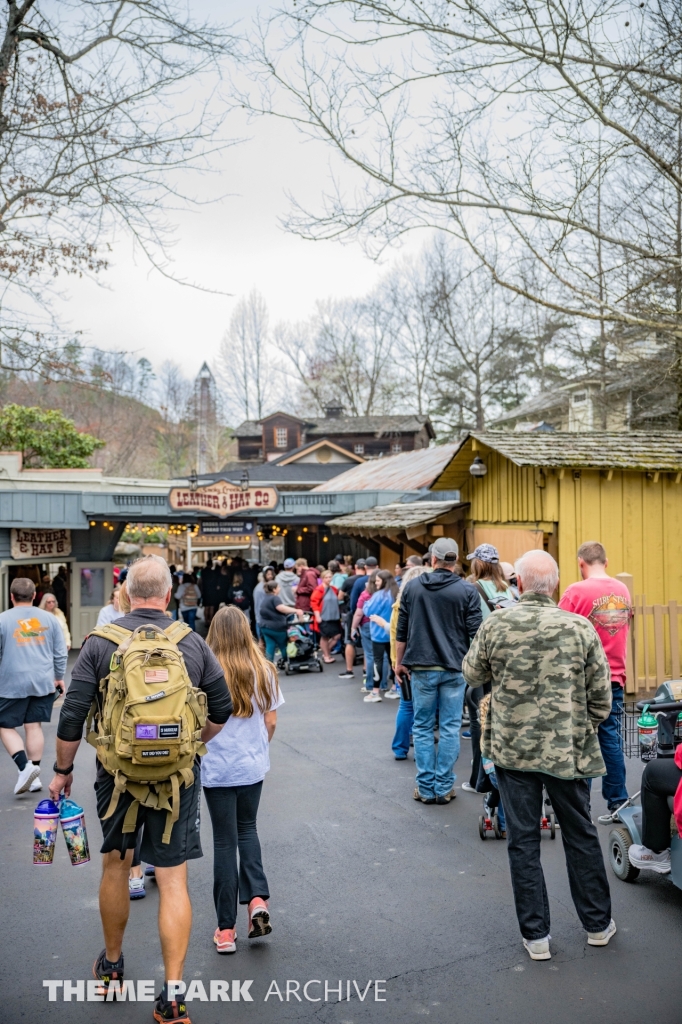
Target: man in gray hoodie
(32, 664)
(288, 581)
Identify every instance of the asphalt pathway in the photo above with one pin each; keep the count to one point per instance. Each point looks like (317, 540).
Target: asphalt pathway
(367, 886)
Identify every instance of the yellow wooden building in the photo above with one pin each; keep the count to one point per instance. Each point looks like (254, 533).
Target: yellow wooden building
(557, 490)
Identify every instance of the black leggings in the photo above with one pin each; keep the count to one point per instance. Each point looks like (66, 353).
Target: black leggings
(473, 697)
(382, 650)
(660, 780)
(233, 811)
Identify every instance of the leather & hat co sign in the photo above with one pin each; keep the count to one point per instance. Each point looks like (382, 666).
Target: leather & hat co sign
(40, 543)
(222, 499)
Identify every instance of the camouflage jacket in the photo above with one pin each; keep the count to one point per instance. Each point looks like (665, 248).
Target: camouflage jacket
(551, 687)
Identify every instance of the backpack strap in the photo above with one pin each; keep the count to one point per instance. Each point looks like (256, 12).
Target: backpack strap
(117, 634)
(177, 631)
(481, 590)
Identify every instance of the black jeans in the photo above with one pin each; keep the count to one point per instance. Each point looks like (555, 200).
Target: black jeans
(659, 781)
(521, 794)
(382, 650)
(233, 811)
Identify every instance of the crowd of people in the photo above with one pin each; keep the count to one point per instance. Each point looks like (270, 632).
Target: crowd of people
(541, 682)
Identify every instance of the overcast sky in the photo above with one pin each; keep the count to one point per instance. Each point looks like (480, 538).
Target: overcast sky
(234, 245)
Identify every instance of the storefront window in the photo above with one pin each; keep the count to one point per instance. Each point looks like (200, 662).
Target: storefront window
(92, 588)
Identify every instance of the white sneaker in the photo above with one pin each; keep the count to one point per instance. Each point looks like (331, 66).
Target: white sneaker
(646, 860)
(36, 786)
(26, 777)
(372, 698)
(136, 889)
(602, 938)
(468, 788)
(538, 949)
(392, 695)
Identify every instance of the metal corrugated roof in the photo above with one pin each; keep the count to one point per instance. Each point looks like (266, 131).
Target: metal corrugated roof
(659, 451)
(388, 519)
(409, 471)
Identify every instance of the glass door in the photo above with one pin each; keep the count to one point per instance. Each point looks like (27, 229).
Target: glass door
(91, 586)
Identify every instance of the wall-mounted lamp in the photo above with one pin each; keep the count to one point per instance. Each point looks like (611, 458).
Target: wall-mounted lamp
(245, 481)
(193, 481)
(478, 467)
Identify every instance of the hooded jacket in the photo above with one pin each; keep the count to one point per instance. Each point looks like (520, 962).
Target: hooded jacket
(438, 618)
(288, 581)
(307, 583)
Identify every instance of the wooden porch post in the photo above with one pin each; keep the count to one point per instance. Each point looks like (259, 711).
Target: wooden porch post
(630, 660)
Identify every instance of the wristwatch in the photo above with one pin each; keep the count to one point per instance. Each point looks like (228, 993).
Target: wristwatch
(61, 771)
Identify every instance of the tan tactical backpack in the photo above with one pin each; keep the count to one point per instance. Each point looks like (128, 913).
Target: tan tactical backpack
(149, 730)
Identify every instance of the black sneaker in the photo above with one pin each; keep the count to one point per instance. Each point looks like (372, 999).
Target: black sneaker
(170, 1009)
(106, 972)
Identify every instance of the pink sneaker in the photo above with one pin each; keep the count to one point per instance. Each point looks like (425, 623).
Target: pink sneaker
(225, 940)
(259, 918)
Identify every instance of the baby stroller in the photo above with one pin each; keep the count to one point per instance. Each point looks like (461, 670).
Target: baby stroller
(489, 821)
(302, 654)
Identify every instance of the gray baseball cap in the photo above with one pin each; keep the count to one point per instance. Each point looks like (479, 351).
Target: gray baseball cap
(486, 553)
(445, 549)
(371, 561)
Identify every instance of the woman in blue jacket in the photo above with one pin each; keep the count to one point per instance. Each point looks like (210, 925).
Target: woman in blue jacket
(384, 590)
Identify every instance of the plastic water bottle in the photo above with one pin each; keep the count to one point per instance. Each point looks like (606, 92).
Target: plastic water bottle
(72, 818)
(45, 828)
(647, 731)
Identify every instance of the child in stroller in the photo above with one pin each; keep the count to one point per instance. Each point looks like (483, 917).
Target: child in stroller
(493, 811)
(301, 650)
(493, 818)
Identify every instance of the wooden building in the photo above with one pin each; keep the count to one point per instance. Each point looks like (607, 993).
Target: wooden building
(557, 490)
(368, 437)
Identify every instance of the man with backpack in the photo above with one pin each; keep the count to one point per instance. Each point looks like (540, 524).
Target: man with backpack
(166, 696)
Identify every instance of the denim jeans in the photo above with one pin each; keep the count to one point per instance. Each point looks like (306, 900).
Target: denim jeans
(613, 787)
(368, 648)
(445, 691)
(233, 811)
(274, 638)
(403, 728)
(521, 792)
(190, 617)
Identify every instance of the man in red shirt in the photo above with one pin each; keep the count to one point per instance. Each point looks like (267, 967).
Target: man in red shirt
(606, 603)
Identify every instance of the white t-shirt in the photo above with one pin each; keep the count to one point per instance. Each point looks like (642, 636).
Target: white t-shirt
(240, 754)
(108, 614)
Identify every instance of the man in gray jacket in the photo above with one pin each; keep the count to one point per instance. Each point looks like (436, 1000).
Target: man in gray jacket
(32, 664)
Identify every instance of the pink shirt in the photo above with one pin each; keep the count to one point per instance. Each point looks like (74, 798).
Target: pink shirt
(606, 603)
(362, 601)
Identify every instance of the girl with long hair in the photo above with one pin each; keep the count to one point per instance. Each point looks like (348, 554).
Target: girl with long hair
(405, 717)
(494, 592)
(232, 773)
(383, 591)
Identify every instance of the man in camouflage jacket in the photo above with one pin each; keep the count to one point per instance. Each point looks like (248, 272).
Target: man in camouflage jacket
(551, 687)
